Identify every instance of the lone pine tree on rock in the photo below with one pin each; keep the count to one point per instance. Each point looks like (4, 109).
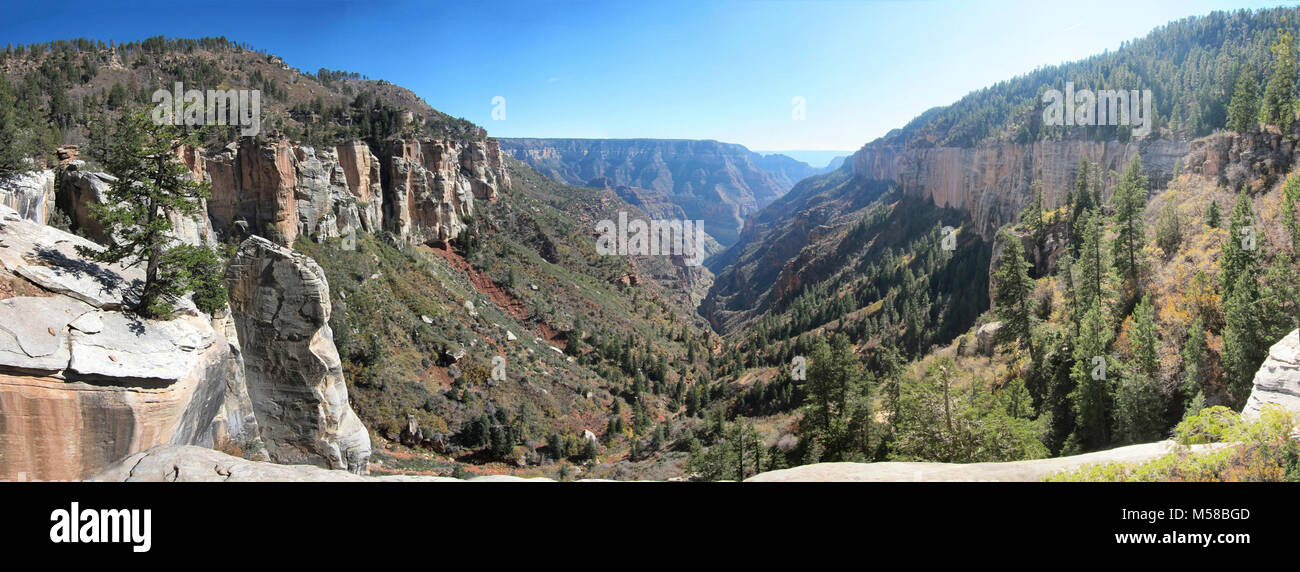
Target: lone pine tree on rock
(152, 187)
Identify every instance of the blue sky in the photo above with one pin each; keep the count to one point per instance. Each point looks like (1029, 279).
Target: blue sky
(725, 70)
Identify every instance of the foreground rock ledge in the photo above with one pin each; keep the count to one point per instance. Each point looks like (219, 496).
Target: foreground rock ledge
(83, 383)
(188, 464)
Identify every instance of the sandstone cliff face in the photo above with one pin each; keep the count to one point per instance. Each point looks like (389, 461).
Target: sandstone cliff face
(430, 185)
(421, 189)
(992, 182)
(83, 384)
(29, 194)
(254, 188)
(281, 304)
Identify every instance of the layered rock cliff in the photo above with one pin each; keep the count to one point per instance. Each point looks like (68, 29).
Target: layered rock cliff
(719, 183)
(281, 306)
(421, 190)
(83, 384)
(992, 182)
(430, 185)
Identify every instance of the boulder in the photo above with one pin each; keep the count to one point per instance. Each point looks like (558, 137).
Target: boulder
(986, 338)
(411, 435)
(281, 307)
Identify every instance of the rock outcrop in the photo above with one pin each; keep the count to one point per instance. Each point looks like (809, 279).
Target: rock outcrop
(83, 384)
(992, 182)
(1278, 378)
(986, 338)
(281, 304)
(430, 185)
(29, 194)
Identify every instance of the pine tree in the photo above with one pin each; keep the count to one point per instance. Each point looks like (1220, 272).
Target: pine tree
(1130, 203)
(1244, 107)
(1169, 227)
(153, 186)
(1243, 348)
(1013, 299)
(1090, 374)
(837, 400)
(1213, 216)
(1291, 196)
(1081, 200)
(1279, 95)
(1142, 336)
(1193, 360)
(1240, 250)
(1138, 410)
(1032, 217)
(1092, 265)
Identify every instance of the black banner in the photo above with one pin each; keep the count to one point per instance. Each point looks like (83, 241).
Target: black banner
(617, 520)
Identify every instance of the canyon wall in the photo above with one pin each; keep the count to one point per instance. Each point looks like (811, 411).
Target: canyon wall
(421, 190)
(992, 182)
(430, 185)
(719, 183)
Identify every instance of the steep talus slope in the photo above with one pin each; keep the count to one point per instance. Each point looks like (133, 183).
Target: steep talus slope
(719, 183)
